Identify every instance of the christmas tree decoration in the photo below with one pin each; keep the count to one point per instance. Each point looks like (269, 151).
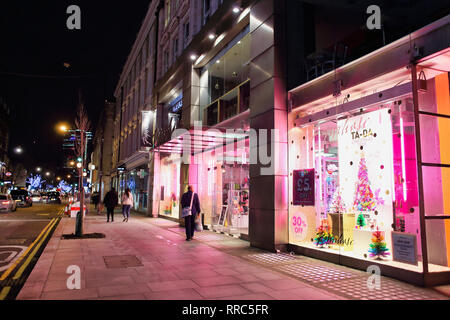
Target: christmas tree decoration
(378, 248)
(360, 221)
(323, 237)
(364, 198)
(337, 204)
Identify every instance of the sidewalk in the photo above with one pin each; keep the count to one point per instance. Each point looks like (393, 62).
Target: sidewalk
(213, 266)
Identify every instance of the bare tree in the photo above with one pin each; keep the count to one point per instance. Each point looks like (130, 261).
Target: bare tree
(82, 125)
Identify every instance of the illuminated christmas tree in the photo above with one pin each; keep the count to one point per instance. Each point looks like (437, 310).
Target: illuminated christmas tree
(337, 204)
(323, 237)
(364, 199)
(378, 246)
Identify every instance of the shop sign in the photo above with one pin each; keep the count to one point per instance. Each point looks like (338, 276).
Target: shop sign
(176, 104)
(404, 247)
(303, 187)
(8, 174)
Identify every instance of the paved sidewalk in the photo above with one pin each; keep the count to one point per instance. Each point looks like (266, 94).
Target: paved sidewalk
(213, 266)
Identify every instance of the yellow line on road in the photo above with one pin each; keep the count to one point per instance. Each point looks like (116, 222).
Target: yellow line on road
(27, 262)
(4, 292)
(10, 269)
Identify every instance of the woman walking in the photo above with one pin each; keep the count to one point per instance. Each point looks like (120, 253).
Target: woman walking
(127, 203)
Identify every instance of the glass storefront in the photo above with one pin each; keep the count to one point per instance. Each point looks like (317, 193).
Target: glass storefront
(223, 188)
(168, 193)
(224, 82)
(137, 182)
(354, 184)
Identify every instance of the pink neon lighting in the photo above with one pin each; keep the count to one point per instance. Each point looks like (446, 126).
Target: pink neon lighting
(403, 159)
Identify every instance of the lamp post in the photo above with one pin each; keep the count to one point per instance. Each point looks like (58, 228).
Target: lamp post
(81, 160)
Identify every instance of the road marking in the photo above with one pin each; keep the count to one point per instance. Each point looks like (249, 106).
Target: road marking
(7, 272)
(4, 293)
(43, 214)
(27, 262)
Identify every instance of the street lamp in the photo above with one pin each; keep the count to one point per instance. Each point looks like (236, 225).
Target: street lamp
(47, 174)
(18, 150)
(58, 178)
(38, 169)
(82, 136)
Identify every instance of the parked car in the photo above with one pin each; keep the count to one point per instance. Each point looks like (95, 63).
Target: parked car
(22, 198)
(53, 197)
(7, 204)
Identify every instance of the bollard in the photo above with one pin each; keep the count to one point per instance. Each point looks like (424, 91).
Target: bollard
(78, 226)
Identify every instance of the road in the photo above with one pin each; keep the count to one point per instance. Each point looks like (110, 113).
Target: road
(23, 236)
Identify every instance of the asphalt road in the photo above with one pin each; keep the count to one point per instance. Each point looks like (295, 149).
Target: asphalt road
(23, 236)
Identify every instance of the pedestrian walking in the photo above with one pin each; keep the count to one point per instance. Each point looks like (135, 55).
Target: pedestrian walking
(95, 199)
(190, 203)
(111, 200)
(127, 203)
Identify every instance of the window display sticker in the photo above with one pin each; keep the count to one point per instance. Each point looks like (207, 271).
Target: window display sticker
(299, 226)
(404, 247)
(303, 187)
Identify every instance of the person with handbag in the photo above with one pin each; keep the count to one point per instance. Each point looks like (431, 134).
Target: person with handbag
(190, 205)
(127, 203)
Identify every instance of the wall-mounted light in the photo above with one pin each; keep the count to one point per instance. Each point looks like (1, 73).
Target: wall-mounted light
(193, 57)
(236, 9)
(212, 36)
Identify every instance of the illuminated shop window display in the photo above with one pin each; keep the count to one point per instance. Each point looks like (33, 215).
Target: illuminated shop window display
(223, 187)
(360, 173)
(354, 183)
(169, 192)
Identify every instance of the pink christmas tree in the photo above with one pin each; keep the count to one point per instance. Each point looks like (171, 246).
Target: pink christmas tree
(337, 204)
(364, 199)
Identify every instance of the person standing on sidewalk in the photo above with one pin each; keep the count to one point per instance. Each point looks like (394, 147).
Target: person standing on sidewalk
(189, 221)
(127, 203)
(111, 200)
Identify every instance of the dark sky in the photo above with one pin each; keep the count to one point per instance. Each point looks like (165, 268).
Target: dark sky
(34, 44)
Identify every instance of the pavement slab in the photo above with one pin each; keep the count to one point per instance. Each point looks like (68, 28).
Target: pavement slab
(212, 267)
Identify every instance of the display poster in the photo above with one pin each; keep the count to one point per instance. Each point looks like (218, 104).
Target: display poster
(303, 187)
(404, 247)
(147, 129)
(299, 226)
(223, 214)
(365, 165)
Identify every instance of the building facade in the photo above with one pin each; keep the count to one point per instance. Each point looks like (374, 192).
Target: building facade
(4, 145)
(274, 112)
(101, 156)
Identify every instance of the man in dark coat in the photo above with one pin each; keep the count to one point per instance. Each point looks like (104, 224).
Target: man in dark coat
(111, 200)
(189, 221)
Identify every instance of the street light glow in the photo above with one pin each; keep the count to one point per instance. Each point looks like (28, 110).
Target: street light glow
(47, 173)
(18, 149)
(79, 165)
(38, 169)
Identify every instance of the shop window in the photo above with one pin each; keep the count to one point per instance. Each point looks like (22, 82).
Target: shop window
(224, 82)
(353, 176)
(223, 188)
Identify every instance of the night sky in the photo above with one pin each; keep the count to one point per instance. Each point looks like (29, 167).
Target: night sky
(35, 43)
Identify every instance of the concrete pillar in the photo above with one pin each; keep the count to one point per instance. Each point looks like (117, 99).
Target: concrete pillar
(268, 225)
